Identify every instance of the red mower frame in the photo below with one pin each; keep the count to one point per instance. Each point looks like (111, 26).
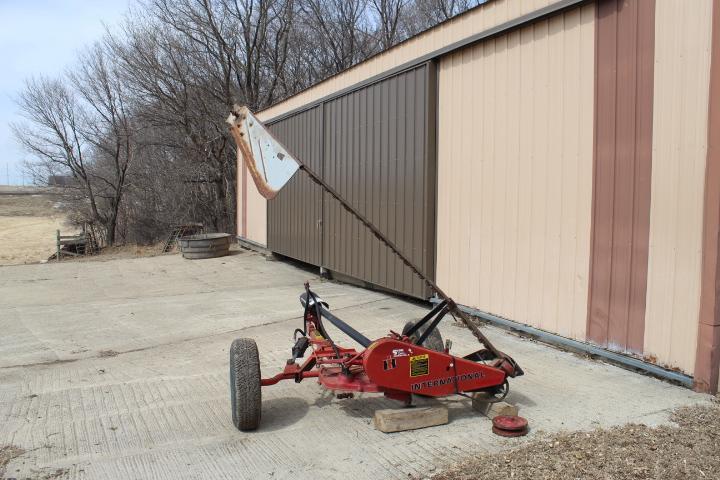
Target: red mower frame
(398, 365)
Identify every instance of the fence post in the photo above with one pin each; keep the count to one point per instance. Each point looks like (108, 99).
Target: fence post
(58, 245)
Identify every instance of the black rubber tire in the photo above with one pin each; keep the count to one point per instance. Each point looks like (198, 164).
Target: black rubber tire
(245, 394)
(433, 342)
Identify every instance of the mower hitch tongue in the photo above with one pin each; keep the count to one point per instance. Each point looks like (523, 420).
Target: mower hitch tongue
(399, 365)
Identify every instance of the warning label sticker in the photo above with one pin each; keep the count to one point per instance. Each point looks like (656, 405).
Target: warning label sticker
(419, 365)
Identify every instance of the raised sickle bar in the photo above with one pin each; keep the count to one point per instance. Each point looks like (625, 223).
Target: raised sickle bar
(239, 127)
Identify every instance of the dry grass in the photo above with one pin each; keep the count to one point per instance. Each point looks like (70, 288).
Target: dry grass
(118, 252)
(688, 450)
(29, 202)
(131, 251)
(29, 217)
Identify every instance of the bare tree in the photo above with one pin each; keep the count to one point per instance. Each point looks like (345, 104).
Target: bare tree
(53, 134)
(341, 29)
(243, 43)
(80, 125)
(432, 12)
(389, 13)
(183, 97)
(110, 129)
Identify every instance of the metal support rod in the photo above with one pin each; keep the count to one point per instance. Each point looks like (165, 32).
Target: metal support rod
(345, 328)
(426, 333)
(434, 311)
(380, 236)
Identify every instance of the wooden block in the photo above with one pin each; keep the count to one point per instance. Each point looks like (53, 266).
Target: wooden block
(392, 420)
(492, 410)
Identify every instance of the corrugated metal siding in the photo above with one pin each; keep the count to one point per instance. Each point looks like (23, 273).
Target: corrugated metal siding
(379, 157)
(623, 160)
(294, 216)
(515, 152)
(707, 357)
(682, 75)
(491, 14)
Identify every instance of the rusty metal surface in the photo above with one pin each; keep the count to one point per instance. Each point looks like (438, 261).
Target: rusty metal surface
(510, 422)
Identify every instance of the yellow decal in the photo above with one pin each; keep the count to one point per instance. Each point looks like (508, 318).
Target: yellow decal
(419, 365)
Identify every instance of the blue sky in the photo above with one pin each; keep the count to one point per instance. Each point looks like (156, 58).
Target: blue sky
(42, 37)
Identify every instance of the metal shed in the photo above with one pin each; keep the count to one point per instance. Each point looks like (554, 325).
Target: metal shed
(552, 164)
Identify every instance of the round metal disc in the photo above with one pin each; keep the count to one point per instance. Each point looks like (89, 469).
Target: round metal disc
(509, 433)
(511, 423)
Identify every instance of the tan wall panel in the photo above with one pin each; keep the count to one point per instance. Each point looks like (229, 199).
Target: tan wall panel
(257, 215)
(255, 211)
(489, 15)
(682, 75)
(241, 200)
(515, 153)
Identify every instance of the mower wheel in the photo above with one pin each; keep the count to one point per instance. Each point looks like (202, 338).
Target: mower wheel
(434, 341)
(245, 396)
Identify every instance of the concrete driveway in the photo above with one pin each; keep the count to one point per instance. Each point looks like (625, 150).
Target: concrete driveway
(118, 369)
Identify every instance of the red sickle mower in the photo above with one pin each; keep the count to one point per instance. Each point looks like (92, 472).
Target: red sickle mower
(399, 365)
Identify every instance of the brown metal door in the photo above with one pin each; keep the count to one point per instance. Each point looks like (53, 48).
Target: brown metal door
(295, 215)
(380, 156)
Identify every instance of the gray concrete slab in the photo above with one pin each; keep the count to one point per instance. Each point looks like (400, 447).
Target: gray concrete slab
(118, 369)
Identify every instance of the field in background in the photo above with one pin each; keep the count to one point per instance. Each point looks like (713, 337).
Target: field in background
(29, 217)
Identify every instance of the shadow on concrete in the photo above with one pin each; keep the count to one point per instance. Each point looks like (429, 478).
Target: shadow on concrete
(517, 398)
(278, 413)
(460, 408)
(324, 398)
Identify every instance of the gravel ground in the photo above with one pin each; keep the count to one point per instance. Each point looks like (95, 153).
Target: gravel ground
(688, 450)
